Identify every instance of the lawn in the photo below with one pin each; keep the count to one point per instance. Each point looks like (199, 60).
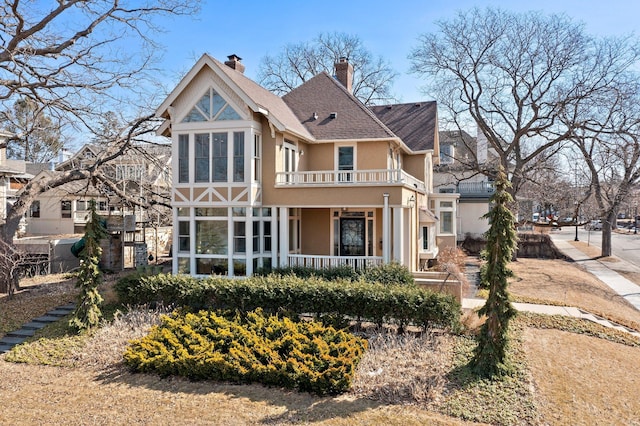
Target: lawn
(565, 378)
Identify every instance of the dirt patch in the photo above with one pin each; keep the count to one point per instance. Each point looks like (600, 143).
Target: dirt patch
(586, 380)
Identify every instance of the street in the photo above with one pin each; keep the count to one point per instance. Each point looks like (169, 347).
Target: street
(624, 245)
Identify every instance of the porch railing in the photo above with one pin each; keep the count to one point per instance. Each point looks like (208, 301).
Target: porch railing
(320, 262)
(349, 177)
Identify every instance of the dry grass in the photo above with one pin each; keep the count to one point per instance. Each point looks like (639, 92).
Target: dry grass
(563, 283)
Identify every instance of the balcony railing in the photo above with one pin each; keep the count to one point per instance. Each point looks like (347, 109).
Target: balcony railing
(320, 262)
(349, 177)
(476, 189)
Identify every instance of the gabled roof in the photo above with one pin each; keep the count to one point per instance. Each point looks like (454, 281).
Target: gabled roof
(255, 96)
(323, 96)
(415, 123)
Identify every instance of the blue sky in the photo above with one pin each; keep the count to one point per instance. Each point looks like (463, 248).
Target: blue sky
(387, 28)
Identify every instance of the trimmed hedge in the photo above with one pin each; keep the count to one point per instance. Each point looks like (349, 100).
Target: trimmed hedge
(251, 348)
(376, 303)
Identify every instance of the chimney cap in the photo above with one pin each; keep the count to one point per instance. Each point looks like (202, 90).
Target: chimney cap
(234, 57)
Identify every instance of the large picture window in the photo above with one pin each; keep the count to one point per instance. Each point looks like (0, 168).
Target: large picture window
(211, 237)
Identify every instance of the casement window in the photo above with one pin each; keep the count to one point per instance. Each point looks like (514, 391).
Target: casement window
(425, 238)
(184, 240)
(446, 154)
(34, 210)
(183, 158)
(257, 156)
(202, 157)
(220, 157)
(346, 163)
(446, 217)
(238, 156)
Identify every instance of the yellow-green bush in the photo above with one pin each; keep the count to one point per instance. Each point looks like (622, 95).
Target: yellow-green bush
(254, 347)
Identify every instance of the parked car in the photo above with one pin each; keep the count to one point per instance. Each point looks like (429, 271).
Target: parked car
(594, 225)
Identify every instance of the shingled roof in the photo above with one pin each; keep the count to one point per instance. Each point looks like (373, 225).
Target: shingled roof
(415, 123)
(340, 115)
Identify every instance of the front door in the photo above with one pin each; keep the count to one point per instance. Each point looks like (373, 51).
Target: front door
(352, 236)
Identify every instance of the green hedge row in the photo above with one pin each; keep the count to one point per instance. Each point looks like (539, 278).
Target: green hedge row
(360, 300)
(252, 348)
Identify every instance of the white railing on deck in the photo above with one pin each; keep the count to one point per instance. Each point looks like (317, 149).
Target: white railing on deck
(349, 177)
(320, 262)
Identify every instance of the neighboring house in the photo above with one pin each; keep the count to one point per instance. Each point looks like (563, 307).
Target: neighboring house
(11, 174)
(457, 172)
(314, 178)
(64, 210)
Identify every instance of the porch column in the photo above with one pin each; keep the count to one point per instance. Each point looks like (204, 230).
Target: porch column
(283, 237)
(398, 234)
(386, 230)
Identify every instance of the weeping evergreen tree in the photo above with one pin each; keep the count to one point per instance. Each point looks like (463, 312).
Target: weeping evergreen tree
(490, 354)
(87, 313)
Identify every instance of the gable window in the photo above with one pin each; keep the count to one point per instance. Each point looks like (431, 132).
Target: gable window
(446, 154)
(211, 107)
(219, 157)
(202, 158)
(238, 156)
(346, 163)
(183, 158)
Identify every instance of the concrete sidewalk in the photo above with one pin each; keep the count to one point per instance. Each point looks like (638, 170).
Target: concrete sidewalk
(625, 288)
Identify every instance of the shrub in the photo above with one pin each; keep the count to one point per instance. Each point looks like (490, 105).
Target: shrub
(388, 274)
(250, 348)
(334, 300)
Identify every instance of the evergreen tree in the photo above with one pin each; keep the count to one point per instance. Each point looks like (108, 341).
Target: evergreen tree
(490, 354)
(87, 313)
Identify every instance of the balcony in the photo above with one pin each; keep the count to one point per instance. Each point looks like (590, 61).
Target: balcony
(349, 177)
(476, 189)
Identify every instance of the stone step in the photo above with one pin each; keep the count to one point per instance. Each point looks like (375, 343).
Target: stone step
(68, 306)
(47, 319)
(23, 332)
(12, 340)
(34, 325)
(59, 312)
(4, 347)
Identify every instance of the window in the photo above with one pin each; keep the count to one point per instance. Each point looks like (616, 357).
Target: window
(211, 237)
(425, 238)
(34, 210)
(184, 240)
(238, 156)
(202, 158)
(257, 154)
(266, 237)
(290, 159)
(129, 171)
(446, 222)
(239, 237)
(65, 209)
(446, 154)
(183, 158)
(346, 163)
(256, 236)
(219, 157)
(211, 107)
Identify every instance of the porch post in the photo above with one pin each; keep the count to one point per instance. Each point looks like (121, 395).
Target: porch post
(283, 237)
(398, 234)
(386, 230)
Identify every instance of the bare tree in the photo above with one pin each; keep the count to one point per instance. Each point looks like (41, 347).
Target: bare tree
(513, 76)
(608, 137)
(76, 59)
(297, 63)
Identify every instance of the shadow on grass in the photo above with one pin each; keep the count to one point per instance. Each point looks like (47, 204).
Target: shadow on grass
(299, 406)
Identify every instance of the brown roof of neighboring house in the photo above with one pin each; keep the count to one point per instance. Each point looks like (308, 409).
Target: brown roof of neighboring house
(340, 115)
(415, 123)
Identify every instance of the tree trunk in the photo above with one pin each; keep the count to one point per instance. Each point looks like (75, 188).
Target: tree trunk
(606, 233)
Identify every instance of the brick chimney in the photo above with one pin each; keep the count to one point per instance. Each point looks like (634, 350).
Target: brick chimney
(344, 73)
(234, 62)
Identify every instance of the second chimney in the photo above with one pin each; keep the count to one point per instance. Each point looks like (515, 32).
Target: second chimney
(234, 62)
(344, 73)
